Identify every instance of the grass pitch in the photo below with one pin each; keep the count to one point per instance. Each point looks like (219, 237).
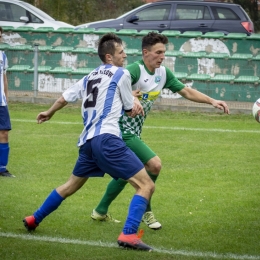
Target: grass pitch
(207, 195)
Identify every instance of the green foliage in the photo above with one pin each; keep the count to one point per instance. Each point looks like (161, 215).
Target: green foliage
(207, 196)
(82, 11)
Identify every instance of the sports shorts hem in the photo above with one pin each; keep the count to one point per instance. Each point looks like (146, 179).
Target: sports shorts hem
(5, 123)
(139, 147)
(106, 153)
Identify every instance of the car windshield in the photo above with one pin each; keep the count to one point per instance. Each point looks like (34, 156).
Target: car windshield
(125, 14)
(39, 12)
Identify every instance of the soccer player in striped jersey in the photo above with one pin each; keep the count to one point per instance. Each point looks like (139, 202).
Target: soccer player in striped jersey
(5, 123)
(106, 93)
(149, 77)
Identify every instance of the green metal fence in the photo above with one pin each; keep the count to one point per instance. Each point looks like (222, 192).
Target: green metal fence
(222, 66)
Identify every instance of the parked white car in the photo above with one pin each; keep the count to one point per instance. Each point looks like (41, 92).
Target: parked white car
(19, 13)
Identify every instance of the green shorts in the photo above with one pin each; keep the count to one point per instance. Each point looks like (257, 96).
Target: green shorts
(143, 152)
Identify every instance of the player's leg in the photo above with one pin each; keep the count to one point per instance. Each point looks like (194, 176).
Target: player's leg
(114, 188)
(144, 190)
(85, 167)
(114, 157)
(153, 166)
(5, 126)
(53, 201)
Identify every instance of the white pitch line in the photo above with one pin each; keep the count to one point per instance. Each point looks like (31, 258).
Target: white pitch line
(174, 128)
(114, 245)
(49, 122)
(203, 129)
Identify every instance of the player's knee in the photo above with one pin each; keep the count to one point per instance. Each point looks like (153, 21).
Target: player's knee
(3, 136)
(157, 168)
(154, 165)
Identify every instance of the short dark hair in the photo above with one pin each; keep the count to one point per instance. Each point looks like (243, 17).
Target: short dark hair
(106, 45)
(1, 29)
(153, 38)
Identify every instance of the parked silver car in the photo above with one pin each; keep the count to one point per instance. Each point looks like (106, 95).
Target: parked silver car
(18, 13)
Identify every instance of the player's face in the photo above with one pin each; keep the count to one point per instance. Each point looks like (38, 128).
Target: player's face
(119, 57)
(154, 57)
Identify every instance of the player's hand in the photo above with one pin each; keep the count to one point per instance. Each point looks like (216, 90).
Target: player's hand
(221, 105)
(137, 108)
(42, 117)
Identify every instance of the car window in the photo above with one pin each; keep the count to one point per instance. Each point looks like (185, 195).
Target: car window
(18, 11)
(193, 12)
(13, 12)
(156, 13)
(221, 13)
(39, 12)
(3, 13)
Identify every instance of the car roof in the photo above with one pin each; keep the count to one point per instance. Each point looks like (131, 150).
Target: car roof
(12, 1)
(213, 2)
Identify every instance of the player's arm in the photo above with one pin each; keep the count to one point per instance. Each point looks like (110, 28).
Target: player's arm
(72, 94)
(137, 108)
(191, 94)
(196, 96)
(134, 71)
(126, 93)
(5, 86)
(47, 115)
(131, 104)
(5, 64)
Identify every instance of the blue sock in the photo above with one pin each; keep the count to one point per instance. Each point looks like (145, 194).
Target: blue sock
(136, 210)
(52, 202)
(4, 153)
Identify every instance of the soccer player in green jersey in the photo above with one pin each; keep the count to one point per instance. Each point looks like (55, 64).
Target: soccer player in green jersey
(149, 77)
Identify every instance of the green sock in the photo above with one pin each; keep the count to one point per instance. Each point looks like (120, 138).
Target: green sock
(154, 178)
(113, 189)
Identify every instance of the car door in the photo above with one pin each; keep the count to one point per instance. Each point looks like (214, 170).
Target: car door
(10, 15)
(191, 18)
(156, 17)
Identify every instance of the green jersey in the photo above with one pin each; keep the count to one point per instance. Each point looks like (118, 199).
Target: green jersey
(150, 86)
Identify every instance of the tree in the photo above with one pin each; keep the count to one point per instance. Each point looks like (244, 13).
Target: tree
(82, 11)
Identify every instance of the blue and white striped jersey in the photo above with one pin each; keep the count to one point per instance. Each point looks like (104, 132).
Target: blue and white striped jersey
(106, 92)
(3, 68)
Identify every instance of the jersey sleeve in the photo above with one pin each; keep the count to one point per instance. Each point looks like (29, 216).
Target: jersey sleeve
(75, 92)
(172, 82)
(5, 62)
(134, 71)
(126, 91)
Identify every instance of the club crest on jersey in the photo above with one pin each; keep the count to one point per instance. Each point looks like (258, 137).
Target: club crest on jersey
(157, 79)
(149, 96)
(145, 96)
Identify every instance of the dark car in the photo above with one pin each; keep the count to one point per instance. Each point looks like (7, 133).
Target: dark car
(204, 16)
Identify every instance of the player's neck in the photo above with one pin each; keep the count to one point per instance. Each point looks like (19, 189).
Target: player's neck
(149, 68)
